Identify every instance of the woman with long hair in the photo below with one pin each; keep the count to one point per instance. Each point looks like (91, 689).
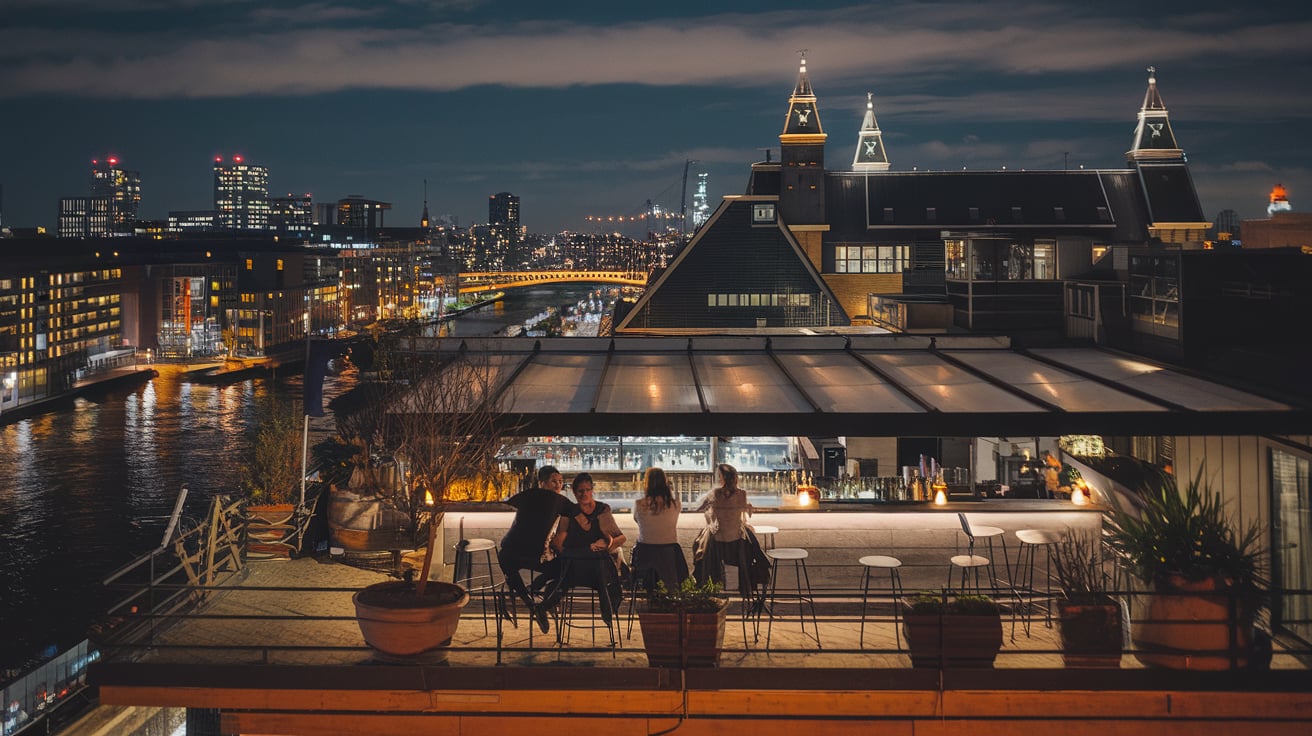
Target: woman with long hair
(726, 510)
(657, 555)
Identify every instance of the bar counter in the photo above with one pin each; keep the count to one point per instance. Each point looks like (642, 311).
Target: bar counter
(923, 536)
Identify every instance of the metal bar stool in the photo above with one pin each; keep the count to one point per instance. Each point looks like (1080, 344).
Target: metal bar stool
(464, 572)
(881, 562)
(765, 533)
(804, 598)
(976, 532)
(1030, 542)
(598, 602)
(969, 562)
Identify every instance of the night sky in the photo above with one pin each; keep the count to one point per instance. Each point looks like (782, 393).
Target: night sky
(592, 107)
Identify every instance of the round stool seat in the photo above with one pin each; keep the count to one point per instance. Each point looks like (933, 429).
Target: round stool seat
(1039, 536)
(880, 561)
(970, 561)
(479, 545)
(981, 532)
(787, 553)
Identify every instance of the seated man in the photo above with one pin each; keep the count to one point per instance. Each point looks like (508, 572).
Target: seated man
(536, 512)
(585, 554)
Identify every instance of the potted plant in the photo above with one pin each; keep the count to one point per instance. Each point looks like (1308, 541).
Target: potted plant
(964, 631)
(443, 425)
(1204, 573)
(1090, 619)
(277, 517)
(684, 627)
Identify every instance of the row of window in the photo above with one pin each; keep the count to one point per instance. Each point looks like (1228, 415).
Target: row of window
(1001, 260)
(758, 300)
(871, 258)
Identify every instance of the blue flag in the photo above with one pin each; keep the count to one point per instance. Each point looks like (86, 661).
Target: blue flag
(317, 355)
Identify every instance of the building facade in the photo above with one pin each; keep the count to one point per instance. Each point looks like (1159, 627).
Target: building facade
(123, 189)
(891, 248)
(241, 194)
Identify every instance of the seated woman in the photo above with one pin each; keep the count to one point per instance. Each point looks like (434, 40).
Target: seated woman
(657, 556)
(585, 556)
(727, 509)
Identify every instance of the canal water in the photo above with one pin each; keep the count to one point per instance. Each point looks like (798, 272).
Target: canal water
(85, 490)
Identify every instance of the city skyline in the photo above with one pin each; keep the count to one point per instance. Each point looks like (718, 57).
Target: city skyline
(591, 110)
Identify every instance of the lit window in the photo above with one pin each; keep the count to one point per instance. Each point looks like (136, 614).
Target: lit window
(279, 264)
(250, 264)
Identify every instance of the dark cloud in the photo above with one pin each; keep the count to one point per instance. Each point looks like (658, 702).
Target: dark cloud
(595, 101)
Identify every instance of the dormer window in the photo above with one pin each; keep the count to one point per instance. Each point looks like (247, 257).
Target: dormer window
(1104, 214)
(931, 214)
(763, 213)
(974, 214)
(1059, 214)
(888, 214)
(1015, 213)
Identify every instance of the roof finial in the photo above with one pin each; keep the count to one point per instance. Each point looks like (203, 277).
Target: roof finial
(870, 100)
(1152, 74)
(802, 53)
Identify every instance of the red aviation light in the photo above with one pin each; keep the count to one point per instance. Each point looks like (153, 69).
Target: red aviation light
(237, 159)
(218, 159)
(112, 161)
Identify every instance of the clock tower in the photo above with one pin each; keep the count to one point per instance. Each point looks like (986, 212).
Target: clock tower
(1153, 138)
(802, 160)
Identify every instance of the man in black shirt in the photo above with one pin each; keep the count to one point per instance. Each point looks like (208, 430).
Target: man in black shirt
(536, 512)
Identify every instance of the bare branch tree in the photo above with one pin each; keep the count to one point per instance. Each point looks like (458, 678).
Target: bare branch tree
(445, 427)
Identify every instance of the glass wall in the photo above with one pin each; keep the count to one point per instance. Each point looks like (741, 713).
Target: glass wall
(1292, 548)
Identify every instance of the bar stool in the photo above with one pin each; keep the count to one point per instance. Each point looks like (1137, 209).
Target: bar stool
(881, 562)
(797, 557)
(598, 600)
(1030, 542)
(464, 568)
(765, 533)
(976, 532)
(969, 562)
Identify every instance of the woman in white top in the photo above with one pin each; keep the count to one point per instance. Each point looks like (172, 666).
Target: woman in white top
(727, 509)
(657, 554)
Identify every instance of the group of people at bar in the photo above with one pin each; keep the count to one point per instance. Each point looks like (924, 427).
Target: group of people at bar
(584, 549)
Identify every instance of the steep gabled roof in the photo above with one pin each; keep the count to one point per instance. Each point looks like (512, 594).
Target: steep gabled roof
(736, 253)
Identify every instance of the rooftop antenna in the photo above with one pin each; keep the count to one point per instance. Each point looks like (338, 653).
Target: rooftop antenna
(767, 154)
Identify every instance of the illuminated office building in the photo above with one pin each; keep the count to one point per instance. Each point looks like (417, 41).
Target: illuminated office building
(122, 188)
(241, 194)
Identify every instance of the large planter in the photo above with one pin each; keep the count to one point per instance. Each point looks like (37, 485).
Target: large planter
(399, 625)
(951, 640)
(1091, 634)
(683, 639)
(1193, 625)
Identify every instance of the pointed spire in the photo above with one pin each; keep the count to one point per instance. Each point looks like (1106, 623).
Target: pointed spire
(1153, 137)
(803, 88)
(423, 220)
(870, 153)
(803, 122)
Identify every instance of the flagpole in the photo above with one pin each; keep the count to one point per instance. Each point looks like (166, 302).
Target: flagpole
(305, 452)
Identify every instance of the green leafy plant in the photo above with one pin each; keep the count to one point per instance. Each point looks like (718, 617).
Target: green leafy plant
(1183, 532)
(1078, 561)
(935, 604)
(271, 470)
(690, 597)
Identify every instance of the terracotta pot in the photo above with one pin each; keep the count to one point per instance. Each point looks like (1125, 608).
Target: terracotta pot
(952, 640)
(1185, 628)
(687, 639)
(1091, 634)
(414, 628)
